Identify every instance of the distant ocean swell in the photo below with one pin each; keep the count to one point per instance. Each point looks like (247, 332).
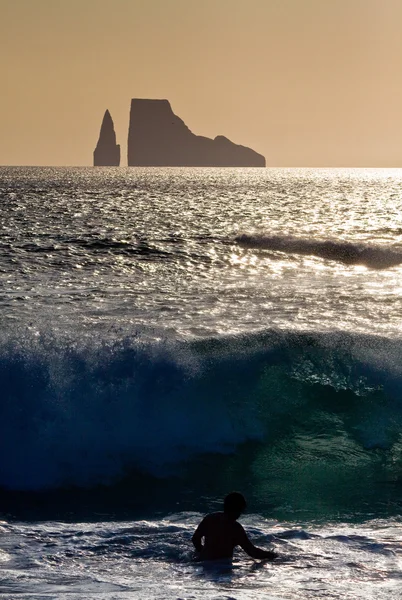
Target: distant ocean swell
(74, 415)
(350, 253)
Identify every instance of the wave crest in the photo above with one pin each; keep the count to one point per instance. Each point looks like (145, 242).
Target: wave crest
(350, 253)
(81, 416)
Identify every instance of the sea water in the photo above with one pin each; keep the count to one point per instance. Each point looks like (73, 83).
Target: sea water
(170, 335)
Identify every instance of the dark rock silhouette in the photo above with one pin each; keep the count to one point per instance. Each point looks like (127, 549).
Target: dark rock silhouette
(107, 152)
(158, 138)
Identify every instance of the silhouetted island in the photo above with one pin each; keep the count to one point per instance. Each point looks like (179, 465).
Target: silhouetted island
(158, 138)
(107, 152)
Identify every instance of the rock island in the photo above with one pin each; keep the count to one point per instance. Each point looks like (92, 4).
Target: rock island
(107, 152)
(159, 138)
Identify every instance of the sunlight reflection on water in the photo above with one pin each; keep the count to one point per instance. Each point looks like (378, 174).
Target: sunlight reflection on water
(124, 244)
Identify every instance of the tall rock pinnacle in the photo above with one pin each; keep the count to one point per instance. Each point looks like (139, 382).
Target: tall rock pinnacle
(157, 137)
(107, 152)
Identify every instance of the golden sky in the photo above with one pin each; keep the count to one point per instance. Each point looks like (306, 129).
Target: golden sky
(304, 82)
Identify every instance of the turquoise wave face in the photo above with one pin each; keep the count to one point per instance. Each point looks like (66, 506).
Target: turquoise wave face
(302, 424)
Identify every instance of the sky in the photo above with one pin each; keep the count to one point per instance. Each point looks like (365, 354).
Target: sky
(304, 82)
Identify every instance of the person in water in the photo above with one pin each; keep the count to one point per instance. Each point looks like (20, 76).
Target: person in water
(222, 533)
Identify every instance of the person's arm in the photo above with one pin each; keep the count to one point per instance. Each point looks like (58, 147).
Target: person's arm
(249, 547)
(198, 535)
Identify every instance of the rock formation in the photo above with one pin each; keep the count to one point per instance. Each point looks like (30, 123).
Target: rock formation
(107, 152)
(157, 137)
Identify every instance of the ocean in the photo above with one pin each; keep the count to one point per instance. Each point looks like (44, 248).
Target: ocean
(171, 335)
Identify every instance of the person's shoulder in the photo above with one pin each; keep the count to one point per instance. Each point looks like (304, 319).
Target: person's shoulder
(213, 516)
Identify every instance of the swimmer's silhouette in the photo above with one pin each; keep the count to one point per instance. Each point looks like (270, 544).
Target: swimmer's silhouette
(222, 533)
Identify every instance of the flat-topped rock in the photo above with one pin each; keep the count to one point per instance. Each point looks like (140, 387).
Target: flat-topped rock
(159, 138)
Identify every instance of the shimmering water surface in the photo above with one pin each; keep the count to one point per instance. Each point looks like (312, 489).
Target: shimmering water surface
(164, 247)
(168, 335)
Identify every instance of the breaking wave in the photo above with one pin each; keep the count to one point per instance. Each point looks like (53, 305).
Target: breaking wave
(370, 255)
(83, 416)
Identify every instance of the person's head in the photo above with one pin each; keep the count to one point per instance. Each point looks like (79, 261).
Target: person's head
(234, 504)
